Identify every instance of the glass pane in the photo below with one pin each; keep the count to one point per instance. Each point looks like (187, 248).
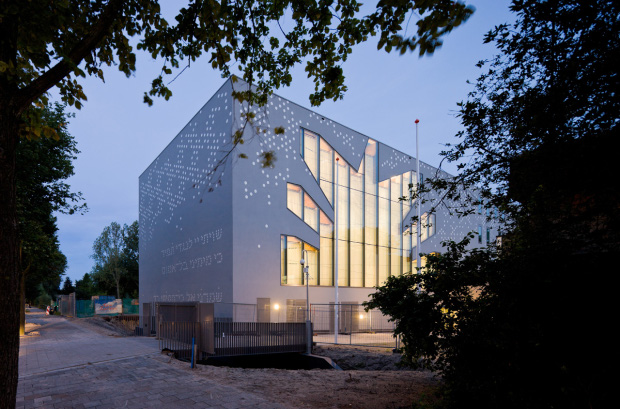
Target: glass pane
(395, 188)
(326, 252)
(384, 264)
(326, 172)
(327, 227)
(370, 167)
(326, 259)
(370, 217)
(328, 190)
(395, 216)
(343, 173)
(293, 198)
(310, 148)
(384, 222)
(357, 265)
(357, 216)
(422, 263)
(405, 193)
(384, 189)
(424, 227)
(293, 256)
(431, 225)
(343, 263)
(370, 268)
(283, 260)
(406, 252)
(343, 213)
(357, 180)
(395, 255)
(311, 212)
(312, 263)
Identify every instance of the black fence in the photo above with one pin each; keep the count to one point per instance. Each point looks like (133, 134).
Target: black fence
(230, 338)
(356, 326)
(250, 338)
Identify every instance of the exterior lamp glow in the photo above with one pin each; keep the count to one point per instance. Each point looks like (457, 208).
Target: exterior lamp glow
(276, 307)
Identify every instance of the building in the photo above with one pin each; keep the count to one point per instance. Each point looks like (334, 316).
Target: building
(237, 235)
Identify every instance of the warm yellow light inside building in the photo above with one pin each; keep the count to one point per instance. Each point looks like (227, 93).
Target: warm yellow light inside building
(373, 242)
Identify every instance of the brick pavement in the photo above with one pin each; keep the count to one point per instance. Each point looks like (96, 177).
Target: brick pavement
(69, 366)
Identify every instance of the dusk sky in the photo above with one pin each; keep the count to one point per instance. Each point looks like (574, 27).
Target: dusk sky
(119, 136)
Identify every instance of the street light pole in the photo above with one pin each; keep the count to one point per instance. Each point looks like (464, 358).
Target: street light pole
(418, 204)
(336, 306)
(306, 267)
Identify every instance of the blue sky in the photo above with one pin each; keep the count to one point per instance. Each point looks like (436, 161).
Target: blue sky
(119, 136)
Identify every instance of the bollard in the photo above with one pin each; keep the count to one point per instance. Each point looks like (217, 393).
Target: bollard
(193, 356)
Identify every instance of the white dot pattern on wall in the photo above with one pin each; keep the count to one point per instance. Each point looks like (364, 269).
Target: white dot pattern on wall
(183, 166)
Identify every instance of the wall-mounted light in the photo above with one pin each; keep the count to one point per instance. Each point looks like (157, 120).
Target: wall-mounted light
(361, 316)
(276, 306)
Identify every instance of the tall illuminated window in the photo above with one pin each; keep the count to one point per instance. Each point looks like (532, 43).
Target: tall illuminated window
(371, 242)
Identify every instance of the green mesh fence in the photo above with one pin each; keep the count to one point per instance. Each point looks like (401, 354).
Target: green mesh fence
(131, 306)
(85, 308)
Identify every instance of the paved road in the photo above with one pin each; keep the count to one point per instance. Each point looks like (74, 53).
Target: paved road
(70, 366)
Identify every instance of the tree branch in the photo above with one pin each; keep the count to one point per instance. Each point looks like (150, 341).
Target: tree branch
(54, 75)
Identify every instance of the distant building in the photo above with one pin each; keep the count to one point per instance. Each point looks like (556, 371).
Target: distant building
(237, 236)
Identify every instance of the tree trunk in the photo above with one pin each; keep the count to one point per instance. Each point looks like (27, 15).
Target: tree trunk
(22, 305)
(10, 273)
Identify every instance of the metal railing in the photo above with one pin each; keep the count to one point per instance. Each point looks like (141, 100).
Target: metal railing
(230, 338)
(178, 337)
(356, 326)
(250, 338)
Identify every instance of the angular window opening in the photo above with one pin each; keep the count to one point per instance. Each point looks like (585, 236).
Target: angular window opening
(309, 212)
(293, 198)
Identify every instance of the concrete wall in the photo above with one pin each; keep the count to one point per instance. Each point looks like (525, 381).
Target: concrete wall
(185, 213)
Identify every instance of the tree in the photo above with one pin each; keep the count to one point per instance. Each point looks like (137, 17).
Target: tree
(45, 45)
(130, 261)
(67, 287)
(84, 288)
(518, 326)
(42, 166)
(107, 252)
(115, 253)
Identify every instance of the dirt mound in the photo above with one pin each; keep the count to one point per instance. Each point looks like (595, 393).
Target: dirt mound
(362, 358)
(106, 326)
